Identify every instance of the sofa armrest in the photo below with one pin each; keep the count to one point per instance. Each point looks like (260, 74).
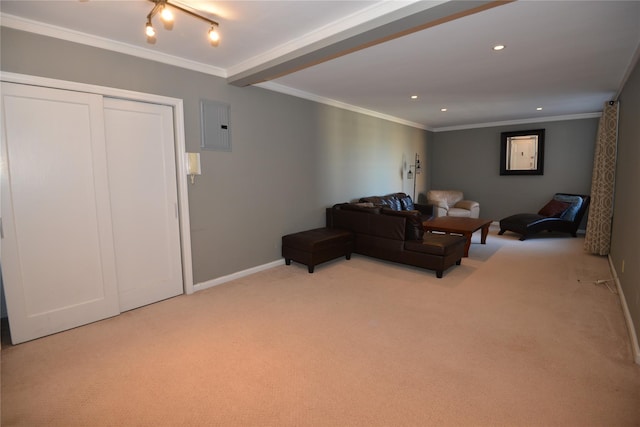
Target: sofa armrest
(467, 204)
(438, 203)
(470, 205)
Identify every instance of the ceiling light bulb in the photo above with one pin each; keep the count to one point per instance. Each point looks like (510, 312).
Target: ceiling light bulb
(149, 31)
(443, 109)
(214, 36)
(499, 47)
(539, 109)
(166, 14)
(414, 96)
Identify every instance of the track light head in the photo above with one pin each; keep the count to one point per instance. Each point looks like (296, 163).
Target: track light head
(148, 29)
(166, 14)
(214, 35)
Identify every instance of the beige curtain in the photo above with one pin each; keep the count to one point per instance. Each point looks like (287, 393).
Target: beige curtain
(598, 237)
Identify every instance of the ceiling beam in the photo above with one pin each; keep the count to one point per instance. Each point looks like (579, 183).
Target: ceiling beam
(415, 17)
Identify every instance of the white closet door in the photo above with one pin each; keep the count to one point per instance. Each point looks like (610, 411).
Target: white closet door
(144, 201)
(57, 249)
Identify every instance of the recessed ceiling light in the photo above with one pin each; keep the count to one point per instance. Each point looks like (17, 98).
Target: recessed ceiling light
(499, 47)
(539, 109)
(443, 109)
(414, 96)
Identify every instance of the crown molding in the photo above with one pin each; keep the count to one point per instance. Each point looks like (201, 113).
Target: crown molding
(520, 121)
(275, 87)
(36, 27)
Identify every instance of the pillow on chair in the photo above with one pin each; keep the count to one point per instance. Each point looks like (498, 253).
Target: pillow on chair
(555, 208)
(406, 203)
(575, 205)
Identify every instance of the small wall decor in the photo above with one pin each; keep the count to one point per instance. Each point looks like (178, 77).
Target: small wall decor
(522, 152)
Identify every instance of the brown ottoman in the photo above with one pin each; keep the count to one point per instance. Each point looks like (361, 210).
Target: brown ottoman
(313, 247)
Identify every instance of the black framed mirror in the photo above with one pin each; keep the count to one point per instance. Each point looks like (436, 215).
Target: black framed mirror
(522, 152)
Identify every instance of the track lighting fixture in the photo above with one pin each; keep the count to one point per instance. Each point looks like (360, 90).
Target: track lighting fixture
(163, 7)
(214, 35)
(166, 14)
(148, 30)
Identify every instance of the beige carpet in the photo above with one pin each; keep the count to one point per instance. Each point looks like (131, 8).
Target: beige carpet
(518, 335)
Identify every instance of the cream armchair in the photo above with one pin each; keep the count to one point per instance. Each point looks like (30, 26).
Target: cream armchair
(452, 203)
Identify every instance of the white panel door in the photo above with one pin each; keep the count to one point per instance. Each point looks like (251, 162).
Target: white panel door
(144, 201)
(57, 248)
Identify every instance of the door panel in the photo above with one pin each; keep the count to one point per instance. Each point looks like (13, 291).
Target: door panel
(144, 200)
(57, 251)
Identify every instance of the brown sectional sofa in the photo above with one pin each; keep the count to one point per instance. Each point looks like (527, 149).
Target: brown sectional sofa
(386, 232)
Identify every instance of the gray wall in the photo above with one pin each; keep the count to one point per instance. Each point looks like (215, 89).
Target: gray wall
(291, 157)
(469, 160)
(626, 226)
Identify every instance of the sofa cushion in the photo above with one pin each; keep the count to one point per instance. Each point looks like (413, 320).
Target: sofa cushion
(436, 244)
(365, 204)
(396, 201)
(360, 207)
(554, 208)
(393, 203)
(349, 216)
(406, 203)
(413, 224)
(572, 211)
(457, 212)
(450, 197)
(375, 200)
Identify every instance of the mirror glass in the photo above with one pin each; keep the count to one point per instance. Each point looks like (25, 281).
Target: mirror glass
(522, 152)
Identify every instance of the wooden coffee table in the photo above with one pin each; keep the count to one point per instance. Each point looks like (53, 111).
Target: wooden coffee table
(459, 225)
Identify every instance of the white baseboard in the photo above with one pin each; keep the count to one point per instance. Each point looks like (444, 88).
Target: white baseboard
(633, 336)
(237, 275)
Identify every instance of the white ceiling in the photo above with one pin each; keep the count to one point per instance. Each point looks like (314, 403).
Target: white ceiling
(568, 57)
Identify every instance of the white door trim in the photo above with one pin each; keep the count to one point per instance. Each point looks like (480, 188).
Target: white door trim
(178, 117)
